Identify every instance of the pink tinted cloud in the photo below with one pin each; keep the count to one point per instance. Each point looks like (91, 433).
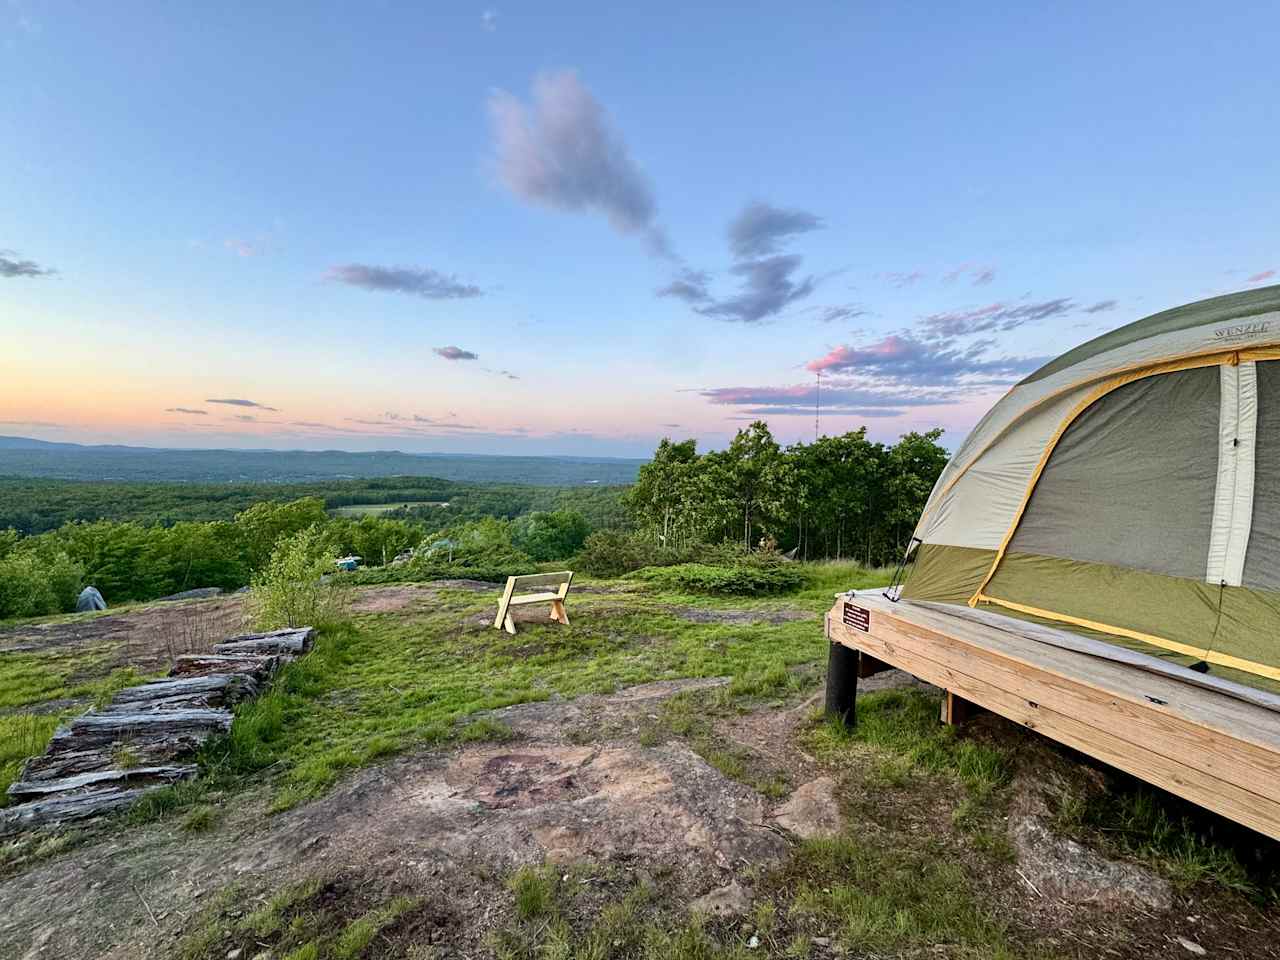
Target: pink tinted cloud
(844, 357)
(1262, 275)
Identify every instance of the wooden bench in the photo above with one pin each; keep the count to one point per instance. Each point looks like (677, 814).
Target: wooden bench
(558, 581)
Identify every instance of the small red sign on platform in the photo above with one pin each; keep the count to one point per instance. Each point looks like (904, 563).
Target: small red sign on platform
(857, 617)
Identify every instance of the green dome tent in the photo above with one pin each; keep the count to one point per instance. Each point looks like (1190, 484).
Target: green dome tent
(1130, 490)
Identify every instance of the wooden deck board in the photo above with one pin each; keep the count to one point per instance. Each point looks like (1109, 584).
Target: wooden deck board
(1200, 744)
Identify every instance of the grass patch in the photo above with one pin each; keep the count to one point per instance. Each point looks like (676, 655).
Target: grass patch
(22, 735)
(387, 681)
(485, 730)
(1146, 825)
(322, 920)
(200, 819)
(534, 890)
(874, 898)
(29, 679)
(877, 896)
(902, 727)
(384, 682)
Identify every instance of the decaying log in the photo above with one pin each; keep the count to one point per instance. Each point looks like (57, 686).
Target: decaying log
(76, 806)
(215, 690)
(178, 730)
(295, 641)
(72, 762)
(100, 779)
(258, 666)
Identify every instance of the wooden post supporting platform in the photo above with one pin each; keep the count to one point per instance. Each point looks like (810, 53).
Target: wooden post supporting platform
(956, 710)
(842, 683)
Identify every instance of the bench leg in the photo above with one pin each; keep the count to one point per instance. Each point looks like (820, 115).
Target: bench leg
(509, 624)
(557, 612)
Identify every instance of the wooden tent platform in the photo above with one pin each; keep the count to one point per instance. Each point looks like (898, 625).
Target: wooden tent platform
(1211, 748)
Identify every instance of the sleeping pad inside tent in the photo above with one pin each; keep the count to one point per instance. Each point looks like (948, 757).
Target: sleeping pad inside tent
(1129, 490)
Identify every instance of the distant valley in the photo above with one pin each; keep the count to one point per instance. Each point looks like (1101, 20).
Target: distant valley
(26, 457)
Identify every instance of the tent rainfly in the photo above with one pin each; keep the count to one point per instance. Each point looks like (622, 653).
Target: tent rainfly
(1129, 489)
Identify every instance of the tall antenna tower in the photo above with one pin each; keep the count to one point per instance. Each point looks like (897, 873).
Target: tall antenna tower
(817, 407)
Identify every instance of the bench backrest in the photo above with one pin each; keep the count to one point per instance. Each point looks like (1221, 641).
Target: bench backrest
(528, 581)
(557, 585)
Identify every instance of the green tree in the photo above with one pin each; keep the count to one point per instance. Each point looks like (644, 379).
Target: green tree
(264, 524)
(751, 469)
(552, 535)
(660, 499)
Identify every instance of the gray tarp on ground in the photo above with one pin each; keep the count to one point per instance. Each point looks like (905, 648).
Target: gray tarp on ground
(90, 599)
(1131, 482)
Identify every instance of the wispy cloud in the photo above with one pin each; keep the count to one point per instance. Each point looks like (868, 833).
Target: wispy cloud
(760, 228)
(562, 152)
(489, 21)
(841, 314)
(768, 284)
(31, 423)
(415, 281)
(236, 402)
(900, 279)
(902, 359)
(188, 410)
(994, 316)
(455, 353)
(1102, 306)
(12, 266)
(768, 287)
(1261, 276)
(800, 400)
(977, 274)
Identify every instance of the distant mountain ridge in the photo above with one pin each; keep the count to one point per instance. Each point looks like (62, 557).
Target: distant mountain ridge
(29, 457)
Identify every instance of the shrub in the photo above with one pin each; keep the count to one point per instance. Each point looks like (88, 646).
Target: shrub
(736, 579)
(297, 587)
(34, 586)
(611, 553)
(552, 535)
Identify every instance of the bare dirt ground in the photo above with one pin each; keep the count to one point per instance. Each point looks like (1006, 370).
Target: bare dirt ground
(448, 825)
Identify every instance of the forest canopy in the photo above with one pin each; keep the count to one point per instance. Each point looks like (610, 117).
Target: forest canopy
(843, 497)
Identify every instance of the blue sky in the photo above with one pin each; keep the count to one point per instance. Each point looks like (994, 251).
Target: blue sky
(304, 208)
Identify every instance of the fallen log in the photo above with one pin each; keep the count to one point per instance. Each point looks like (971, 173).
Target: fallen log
(76, 806)
(211, 690)
(294, 641)
(73, 762)
(133, 776)
(258, 666)
(169, 732)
